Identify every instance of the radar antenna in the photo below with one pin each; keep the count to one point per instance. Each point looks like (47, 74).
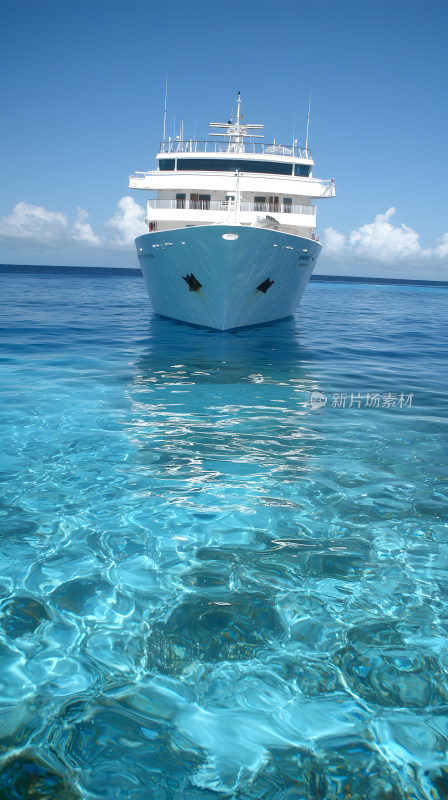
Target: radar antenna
(236, 130)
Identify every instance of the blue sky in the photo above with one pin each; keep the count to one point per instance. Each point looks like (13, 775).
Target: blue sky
(82, 108)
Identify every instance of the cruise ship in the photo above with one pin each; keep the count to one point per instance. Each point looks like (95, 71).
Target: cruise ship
(231, 222)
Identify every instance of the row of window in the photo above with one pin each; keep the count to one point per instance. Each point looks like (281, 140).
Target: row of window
(232, 165)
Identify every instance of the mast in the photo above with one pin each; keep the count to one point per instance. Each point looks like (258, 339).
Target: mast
(308, 120)
(164, 113)
(238, 113)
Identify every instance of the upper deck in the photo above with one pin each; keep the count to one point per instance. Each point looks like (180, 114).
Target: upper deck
(232, 164)
(209, 147)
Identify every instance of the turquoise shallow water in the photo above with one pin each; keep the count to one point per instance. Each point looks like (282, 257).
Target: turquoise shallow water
(209, 586)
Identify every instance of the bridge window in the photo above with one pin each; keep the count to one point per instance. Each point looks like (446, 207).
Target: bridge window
(232, 165)
(302, 170)
(166, 164)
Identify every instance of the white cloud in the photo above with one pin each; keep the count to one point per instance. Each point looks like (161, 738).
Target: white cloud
(380, 241)
(127, 223)
(34, 222)
(441, 250)
(333, 241)
(82, 232)
(35, 225)
(383, 243)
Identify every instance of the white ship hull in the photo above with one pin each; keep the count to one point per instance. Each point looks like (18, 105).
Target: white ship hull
(226, 276)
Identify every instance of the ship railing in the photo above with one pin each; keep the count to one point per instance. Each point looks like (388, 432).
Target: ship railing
(258, 148)
(279, 208)
(328, 187)
(228, 205)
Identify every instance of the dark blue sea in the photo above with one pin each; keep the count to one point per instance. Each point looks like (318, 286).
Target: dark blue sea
(223, 561)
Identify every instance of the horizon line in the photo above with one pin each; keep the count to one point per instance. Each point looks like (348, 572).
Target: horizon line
(44, 268)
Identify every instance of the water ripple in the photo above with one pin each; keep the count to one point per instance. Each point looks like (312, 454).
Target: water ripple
(210, 588)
